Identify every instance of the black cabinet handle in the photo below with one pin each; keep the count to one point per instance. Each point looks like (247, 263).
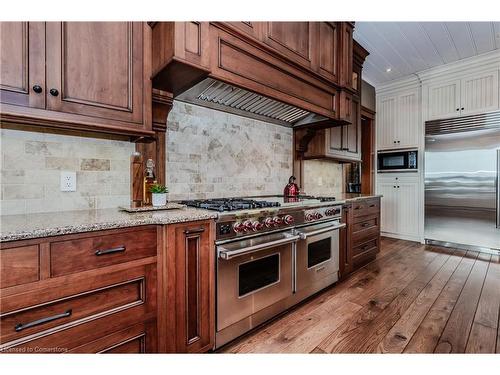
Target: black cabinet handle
(399, 141)
(458, 109)
(54, 92)
(37, 88)
(394, 186)
(119, 249)
(462, 108)
(345, 148)
(19, 327)
(194, 231)
(365, 225)
(394, 141)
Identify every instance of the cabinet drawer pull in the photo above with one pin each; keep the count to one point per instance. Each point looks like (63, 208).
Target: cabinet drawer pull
(37, 88)
(119, 249)
(319, 269)
(194, 231)
(19, 327)
(372, 205)
(357, 207)
(366, 225)
(54, 92)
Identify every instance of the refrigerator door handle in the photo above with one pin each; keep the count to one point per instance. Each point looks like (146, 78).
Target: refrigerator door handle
(498, 188)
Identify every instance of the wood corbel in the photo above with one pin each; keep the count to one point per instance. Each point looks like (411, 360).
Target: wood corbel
(155, 147)
(302, 138)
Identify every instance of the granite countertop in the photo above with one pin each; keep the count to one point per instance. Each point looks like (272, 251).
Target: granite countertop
(28, 226)
(349, 197)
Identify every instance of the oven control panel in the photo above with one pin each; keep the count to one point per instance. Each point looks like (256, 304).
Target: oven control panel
(253, 224)
(322, 213)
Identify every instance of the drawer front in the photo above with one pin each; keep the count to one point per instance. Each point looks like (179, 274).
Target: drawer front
(19, 265)
(106, 296)
(364, 230)
(364, 253)
(366, 207)
(139, 338)
(97, 251)
(371, 245)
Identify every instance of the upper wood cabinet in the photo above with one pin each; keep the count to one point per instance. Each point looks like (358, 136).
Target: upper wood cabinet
(95, 69)
(86, 75)
(181, 54)
(296, 40)
(22, 63)
(328, 50)
(346, 54)
(467, 95)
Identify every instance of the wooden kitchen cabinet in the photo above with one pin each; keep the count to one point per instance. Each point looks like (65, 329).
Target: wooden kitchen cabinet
(342, 142)
(190, 287)
(81, 75)
(181, 54)
(360, 241)
(108, 305)
(296, 40)
(22, 64)
(346, 54)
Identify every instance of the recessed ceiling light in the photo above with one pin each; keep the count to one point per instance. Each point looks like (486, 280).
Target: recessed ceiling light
(388, 70)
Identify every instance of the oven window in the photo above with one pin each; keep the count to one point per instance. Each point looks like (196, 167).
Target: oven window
(393, 161)
(258, 274)
(319, 252)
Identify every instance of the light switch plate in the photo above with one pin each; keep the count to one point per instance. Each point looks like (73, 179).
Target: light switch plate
(68, 181)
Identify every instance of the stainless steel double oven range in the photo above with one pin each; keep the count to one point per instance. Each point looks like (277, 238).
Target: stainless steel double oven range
(272, 254)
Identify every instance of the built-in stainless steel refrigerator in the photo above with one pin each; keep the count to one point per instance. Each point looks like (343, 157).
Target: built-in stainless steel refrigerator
(462, 182)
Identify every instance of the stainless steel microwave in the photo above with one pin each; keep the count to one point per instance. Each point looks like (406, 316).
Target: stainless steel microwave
(398, 161)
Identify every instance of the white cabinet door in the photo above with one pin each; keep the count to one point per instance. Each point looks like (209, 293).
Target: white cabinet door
(479, 93)
(443, 100)
(388, 209)
(386, 119)
(408, 128)
(408, 208)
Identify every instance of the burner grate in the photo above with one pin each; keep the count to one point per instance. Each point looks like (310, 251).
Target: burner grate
(230, 204)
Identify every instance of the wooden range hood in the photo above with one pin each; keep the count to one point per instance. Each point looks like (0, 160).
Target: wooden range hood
(238, 67)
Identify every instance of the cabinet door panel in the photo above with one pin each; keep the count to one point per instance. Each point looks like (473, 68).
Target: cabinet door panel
(328, 45)
(407, 210)
(479, 93)
(22, 63)
(407, 128)
(335, 140)
(352, 139)
(386, 122)
(388, 210)
(444, 100)
(293, 39)
(97, 67)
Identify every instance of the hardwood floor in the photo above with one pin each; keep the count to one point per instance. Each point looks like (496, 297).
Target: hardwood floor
(413, 299)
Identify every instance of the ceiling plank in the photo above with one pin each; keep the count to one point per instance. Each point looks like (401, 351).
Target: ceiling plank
(462, 39)
(483, 36)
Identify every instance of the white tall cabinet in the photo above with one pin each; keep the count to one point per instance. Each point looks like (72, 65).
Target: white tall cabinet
(462, 88)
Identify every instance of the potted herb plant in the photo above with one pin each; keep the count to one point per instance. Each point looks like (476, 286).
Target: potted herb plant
(159, 195)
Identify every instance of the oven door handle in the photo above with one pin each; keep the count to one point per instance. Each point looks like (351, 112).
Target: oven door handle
(304, 235)
(229, 254)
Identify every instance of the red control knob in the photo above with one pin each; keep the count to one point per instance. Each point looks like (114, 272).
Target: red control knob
(277, 220)
(288, 219)
(309, 217)
(269, 222)
(248, 225)
(239, 227)
(257, 226)
(317, 216)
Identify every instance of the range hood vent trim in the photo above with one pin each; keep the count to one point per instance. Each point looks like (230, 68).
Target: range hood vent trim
(222, 96)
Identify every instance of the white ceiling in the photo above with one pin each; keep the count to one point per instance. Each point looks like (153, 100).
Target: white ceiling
(409, 47)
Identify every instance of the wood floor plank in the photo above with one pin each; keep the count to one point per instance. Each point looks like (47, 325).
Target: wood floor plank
(456, 332)
(484, 332)
(426, 337)
(352, 286)
(364, 333)
(401, 332)
(349, 338)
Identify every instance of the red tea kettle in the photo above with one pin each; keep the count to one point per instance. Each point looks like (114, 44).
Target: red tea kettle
(291, 189)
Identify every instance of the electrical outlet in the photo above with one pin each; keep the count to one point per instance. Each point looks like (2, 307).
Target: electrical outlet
(68, 181)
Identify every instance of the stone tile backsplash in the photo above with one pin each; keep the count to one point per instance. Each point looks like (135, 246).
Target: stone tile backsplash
(323, 178)
(214, 154)
(31, 163)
